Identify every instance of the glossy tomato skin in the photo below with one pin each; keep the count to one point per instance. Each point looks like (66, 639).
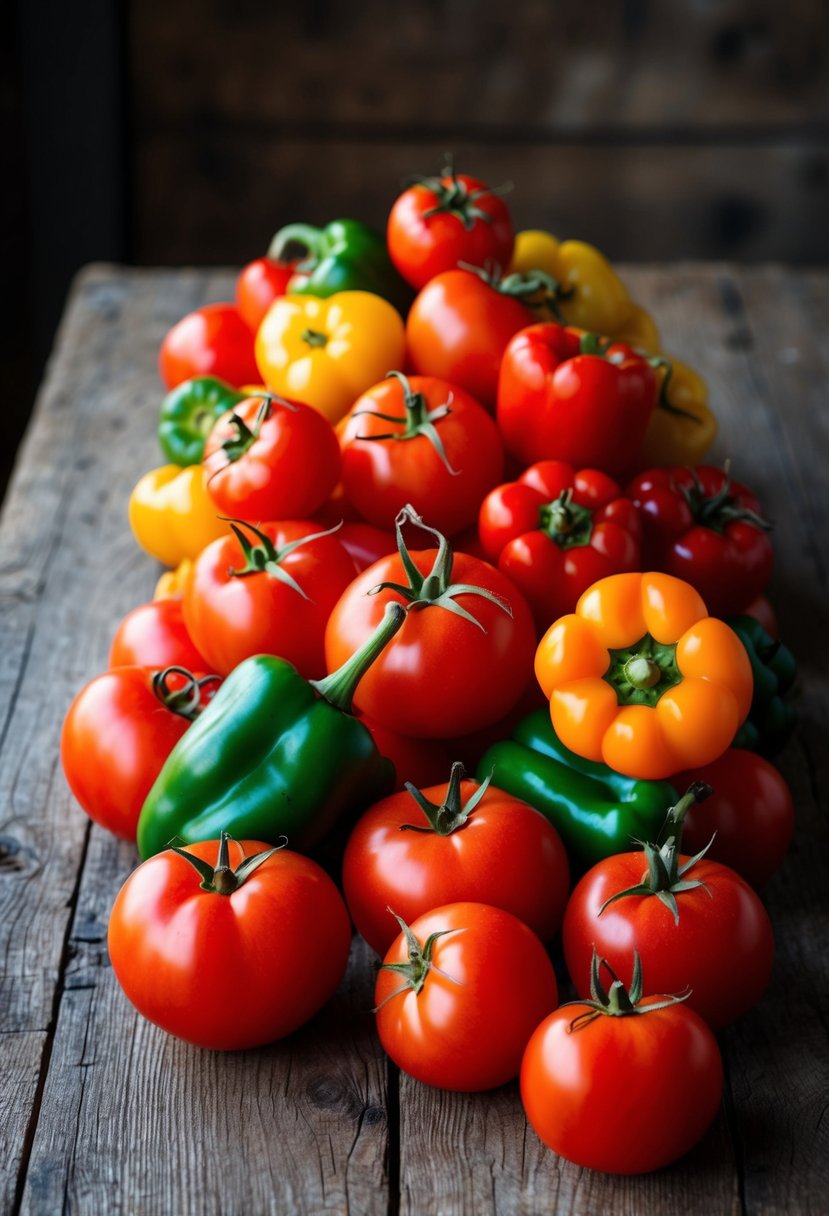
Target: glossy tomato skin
(440, 676)
(288, 471)
(722, 947)
(229, 971)
(466, 1029)
(624, 1095)
(212, 341)
(155, 635)
(365, 543)
(232, 617)
(423, 245)
(750, 815)
(258, 285)
(459, 327)
(506, 855)
(380, 475)
(422, 761)
(115, 738)
(555, 403)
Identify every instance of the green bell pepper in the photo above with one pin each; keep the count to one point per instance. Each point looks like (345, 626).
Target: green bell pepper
(346, 255)
(271, 755)
(596, 811)
(189, 414)
(771, 719)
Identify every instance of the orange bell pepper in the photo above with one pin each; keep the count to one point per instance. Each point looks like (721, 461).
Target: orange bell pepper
(641, 678)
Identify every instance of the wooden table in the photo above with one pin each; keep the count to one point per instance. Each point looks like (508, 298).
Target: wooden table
(102, 1112)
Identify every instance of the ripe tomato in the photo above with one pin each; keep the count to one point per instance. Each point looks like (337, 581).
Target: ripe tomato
(116, 735)
(419, 440)
(720, 945)
(505, 854)
(459, 327)
(365, 543)
(482, 983)
(441, 221)
(271, 459)
(229, 971)
(421, 761)
(212, 341)
(271, 595)
(751, 811)
(258, 285)
(155, 635)
(622, 1094)
(442, 675)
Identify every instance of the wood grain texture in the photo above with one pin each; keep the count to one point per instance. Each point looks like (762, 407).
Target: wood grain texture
(100, 1111)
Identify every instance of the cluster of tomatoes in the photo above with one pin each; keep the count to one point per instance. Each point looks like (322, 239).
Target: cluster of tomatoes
(407, 468)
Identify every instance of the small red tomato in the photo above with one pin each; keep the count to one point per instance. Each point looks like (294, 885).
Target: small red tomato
(155, 635)
(267, 590)
(624, 1085)
(423, 441)
(441, 221)
(477, 982)
(224, 958)
(258, 285)
(459, 327)
(271, 459)
(452, 842)
(702, 526)
(212, 341)
(749, 818)
(556, 531)
(118, 732)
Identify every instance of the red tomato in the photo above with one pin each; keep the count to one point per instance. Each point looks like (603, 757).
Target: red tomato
(459, 327)
(273, 598)
(271, 459)
(486, 982)
(365, 543)
(258, 285)
(624, 1095)
(441, 221)
(441, 675)
(423, 441)
(229, 971)
(555, 532)
(421, 761)
(705, 528)
(505, 854)
(155, 635)
(750, 810)
(212, 341)
(116, 735)
(721, 945)
(564, 395)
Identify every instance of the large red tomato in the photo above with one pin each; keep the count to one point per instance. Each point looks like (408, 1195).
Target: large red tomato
(443, 674)
(212, 341)
(419, 440)
(441, 221)
(479, 982)
(267, 590)
(419, 849)
(624, 1094)
(235, 966)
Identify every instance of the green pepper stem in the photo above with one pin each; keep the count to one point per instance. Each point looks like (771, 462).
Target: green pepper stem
(306, 235)
(339, 687)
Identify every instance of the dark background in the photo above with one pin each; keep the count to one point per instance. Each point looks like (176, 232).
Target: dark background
(187, 131)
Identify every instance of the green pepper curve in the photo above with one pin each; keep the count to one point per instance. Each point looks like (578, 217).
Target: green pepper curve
(596, 811)
(188, 415)
(771, 719)
(271, 755)
(346, 255)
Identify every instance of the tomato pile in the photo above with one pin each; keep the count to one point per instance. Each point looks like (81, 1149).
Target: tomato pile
(434, 505)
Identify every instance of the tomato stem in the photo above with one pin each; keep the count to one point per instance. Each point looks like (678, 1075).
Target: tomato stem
(616, 1001)
(184, 701)
(264, 557)
(452, 813)
(419, 420)
(222, 879)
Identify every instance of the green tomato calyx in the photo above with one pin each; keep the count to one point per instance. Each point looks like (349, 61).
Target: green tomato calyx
(222, 879)
(452, 813)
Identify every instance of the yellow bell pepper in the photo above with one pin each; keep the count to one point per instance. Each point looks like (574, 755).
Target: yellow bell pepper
(172, 515)
(171, 584)
(592, 296)
(682, 427)
(328, 352)
(638, 330)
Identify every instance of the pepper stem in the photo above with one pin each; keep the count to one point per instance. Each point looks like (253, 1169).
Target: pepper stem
(339, 687)
(305, 235)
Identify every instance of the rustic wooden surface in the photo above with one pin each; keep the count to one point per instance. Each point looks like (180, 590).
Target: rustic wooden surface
(99, 1111)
